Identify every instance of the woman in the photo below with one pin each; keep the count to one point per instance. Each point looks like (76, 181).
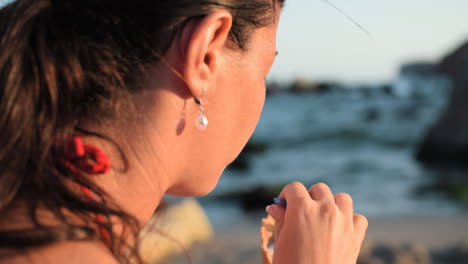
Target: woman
(107, 105)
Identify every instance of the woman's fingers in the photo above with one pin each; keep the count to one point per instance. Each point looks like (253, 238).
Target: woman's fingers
(276, 212)
(360, 223)
(295, 194)
(317, 226)
(344, 202)
(321, 191)
(318, 192)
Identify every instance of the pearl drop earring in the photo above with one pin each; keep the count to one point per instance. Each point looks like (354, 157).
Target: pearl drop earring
(202, 121)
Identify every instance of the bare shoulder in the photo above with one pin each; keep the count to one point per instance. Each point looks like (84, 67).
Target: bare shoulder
(67, 252)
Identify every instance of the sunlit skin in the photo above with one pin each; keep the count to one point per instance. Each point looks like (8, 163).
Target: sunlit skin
(189, 163)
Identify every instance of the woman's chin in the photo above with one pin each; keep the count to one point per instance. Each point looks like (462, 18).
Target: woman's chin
(203, 192)
(191, 192)
(199, 188)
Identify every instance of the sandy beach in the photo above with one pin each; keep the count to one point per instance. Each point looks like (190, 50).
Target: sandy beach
(432, 232)
(239, 244)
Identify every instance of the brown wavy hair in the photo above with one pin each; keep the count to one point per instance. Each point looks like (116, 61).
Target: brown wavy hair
(67, 62)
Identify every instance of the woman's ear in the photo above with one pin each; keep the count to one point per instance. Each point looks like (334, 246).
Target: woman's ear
(204, 41)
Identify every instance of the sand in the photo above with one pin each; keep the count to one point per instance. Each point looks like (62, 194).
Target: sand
(432, 232)
(240, 243)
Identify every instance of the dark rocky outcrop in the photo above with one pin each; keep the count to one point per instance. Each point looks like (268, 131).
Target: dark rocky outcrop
(242, 162)
(418, 69)
(446, 142)
(303, 86)
(449, 183)
(253, 199)
(456, 254)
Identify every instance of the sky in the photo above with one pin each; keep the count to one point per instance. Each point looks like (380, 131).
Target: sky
(318, 43)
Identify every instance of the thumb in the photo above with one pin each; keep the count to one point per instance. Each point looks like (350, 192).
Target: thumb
(278, 214)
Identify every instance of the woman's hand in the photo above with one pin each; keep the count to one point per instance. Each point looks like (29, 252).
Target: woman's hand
(317, 227)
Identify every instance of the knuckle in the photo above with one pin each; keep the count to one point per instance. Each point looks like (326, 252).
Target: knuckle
(320, 186)
(344, 197)
(295, 186)
(365, 222)
(321, 191)
(361, 221)
(297, 193)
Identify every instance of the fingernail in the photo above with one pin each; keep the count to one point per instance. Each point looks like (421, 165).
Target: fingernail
(280, 202)
(267, 209)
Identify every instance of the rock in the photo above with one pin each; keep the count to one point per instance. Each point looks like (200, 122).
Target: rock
(274, 88)
(413, 254)
(255, 147)
(365, 255)
(385, 253)
(389, 254)
(174, 230)
(452, 184)
(371, 114)
(242, 162)
(457, 254)
(257, 198)
(369, 261)
(253, 199)
(418, 69)
(446, 142)
(302, 86)
(387, 89)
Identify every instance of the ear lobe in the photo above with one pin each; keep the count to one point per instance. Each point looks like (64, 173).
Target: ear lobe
(205, 43)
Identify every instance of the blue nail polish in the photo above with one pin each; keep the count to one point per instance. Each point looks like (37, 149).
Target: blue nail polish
(280, 202)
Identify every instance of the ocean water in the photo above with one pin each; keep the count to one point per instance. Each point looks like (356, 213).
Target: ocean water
(359, 140)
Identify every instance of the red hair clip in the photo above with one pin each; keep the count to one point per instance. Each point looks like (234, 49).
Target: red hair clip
(86, 158)
(91, 160)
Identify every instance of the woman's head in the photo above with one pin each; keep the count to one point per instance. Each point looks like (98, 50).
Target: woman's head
(231, 83)
(88, 67)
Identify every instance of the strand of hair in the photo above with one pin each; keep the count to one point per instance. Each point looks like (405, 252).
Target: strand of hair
(349, 18)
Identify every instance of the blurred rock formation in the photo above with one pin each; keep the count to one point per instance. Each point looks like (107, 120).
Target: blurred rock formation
(446, 142)
(303, 86)
(418, 68)
(173, 230)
